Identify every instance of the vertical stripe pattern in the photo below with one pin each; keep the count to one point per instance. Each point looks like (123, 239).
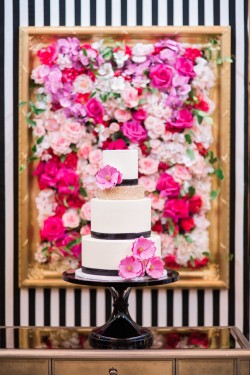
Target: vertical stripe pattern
(157, 307)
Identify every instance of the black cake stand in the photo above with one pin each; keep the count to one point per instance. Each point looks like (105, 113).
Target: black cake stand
(120, 331)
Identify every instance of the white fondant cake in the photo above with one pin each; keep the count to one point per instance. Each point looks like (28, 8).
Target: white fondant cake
(117, 222)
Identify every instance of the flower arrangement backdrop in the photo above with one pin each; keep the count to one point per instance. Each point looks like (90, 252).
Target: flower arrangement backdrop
(154, 97)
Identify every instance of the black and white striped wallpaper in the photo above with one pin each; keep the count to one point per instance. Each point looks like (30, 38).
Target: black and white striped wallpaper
(149, 307)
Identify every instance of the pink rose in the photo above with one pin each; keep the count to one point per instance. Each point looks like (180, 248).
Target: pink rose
(181, 173)
(158, 130)
(183, 119)
(108, 177)
(148, 166)
(134, 131)
(84, 151)
(139, 115)
(130, 97)
(59, 144)
(85, 230)
(95, 157)
(161, 76)
(176, 209)
(95, 109)
(122, 115)
(157, 202)
(149, 183)
(53, 228)
(185, 67)
(85, 212)
(155, 267)
(143, 249)
(167, 186)
(71, 218)
(40, 73)
(119, 144)
(67, 238)
(67, 181)
(51, 125)
(114, 127)
(130, 267)
(72, 131)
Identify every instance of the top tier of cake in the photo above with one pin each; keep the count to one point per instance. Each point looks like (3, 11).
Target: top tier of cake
(126, 161)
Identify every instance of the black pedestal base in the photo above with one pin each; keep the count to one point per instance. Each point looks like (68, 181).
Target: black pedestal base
(120, 331)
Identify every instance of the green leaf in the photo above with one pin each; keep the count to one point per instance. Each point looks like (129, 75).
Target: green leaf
(38, 111)
(212, 159)
(68, 251)
(191, 191)
(188, 138)
(34, 149)
(20, 104)
(83, 192)
(22, 168)
(32, 158)
(45, 249)
(71, 188)
(93, 94)
(170, 226)
(63, 158)
(206, 254)
(190, 154)
(39, 140)
(228, 59)
(214, 194)
(219, 60)
(214, 42)
(188, 239)
(104, 97)
(191, 260)
(107, 53)
(74, 242)
(218, 172)
(65, 203)
(84, 52)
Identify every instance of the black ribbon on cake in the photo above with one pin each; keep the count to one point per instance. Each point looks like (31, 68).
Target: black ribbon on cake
(99, 272)
(128, 182)
(119, 236)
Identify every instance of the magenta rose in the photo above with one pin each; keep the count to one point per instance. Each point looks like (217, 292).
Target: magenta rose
(95, 109)
(119, 144)
(139, 115)
(161, 76)
(67, 181)
(176, 209)
(134, 131)
(183, 119)
(53, 229)
(185, 67)
(167, 186)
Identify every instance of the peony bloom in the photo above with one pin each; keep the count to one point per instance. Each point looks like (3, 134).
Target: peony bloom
(143, 249)
(167, 186)
(53, 229)
(176, 209)
(107, 177)
(130, 267)
(161, 76)
(134, 131)
(155, 267)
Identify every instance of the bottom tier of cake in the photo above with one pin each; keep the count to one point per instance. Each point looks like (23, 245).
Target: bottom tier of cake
(102, 257)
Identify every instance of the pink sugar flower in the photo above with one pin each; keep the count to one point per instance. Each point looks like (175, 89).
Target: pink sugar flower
(107, 177)
(155, 267)
(143, 248)
(130, 267)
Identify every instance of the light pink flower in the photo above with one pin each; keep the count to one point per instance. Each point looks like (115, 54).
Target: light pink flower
(60, 144)
(122, 115)
(108, 177)
(83, 84)
(40, 73)
(114, 127)
(130, 267)
(150, 122)
(181, 173)
(73, 131)
(85, 211)
(71, 218)
(39, 129)
(85, 230)
(51, 125)
(130, 97)
(149, 183)
(155, 267)
(157, 202)
(84, 150)
(158, 130)
(95, 157)
(143, 249)
(92, 169)
(148, 166)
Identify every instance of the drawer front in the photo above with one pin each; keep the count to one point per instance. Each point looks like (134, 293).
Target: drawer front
(244, 367)
(209, 366)
(96, 367)
(14, 366)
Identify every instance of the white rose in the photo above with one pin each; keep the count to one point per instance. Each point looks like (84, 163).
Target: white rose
(118, 84)
(120, 57)
(83, 84)
(140, 51)
(106, 70)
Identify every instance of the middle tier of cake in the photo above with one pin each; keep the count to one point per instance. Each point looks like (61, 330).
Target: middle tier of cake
(102, 257)
(120, 219)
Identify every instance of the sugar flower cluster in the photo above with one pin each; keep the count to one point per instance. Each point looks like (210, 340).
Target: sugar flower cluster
(153, 97)
(142, 261)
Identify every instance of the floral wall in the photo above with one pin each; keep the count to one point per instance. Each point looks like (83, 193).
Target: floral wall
(52, 306)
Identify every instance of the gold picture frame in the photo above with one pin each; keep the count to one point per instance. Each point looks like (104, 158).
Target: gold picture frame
(32, 39)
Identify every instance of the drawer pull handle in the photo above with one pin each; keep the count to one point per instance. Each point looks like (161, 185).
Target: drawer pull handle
(113, 371)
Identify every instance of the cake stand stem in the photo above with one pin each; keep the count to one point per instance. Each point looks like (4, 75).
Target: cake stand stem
(120, 331)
